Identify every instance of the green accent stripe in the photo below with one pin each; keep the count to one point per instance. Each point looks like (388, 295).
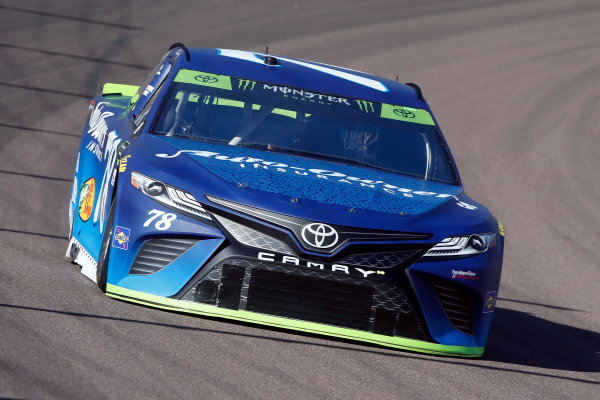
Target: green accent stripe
(203, 78)
(406, 114)
(287, 323)
(118, 89)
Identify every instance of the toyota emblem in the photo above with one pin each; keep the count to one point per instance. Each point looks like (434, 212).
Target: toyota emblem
(319, 235)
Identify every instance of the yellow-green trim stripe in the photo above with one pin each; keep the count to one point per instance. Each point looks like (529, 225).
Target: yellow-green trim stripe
(119, 89)
(287, 323)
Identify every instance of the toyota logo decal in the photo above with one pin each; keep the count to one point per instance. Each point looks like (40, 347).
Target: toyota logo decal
(320, 236)
(206, 78)
(403, 113)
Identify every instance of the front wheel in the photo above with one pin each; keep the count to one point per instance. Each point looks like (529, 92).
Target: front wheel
(102, 268)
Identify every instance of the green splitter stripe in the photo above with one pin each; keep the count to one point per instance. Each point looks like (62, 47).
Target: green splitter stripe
(203, 78)
(287, 323)
(406, 114)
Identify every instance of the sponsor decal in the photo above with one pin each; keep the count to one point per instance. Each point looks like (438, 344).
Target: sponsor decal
(406, 114)
(123, 163)
(149, 89)
(98, 130)
(256, 163)
(490, 302)
(121, 238)
(203, 78)
(245, 84)
(206, 78)
(460, 274)
(466, 205)
(318, 235)
(300, 94)
(500, 229)
(122, 148)
(86, 199)
(73, 203)
(340, 268)
(108, 179)
(365, 106)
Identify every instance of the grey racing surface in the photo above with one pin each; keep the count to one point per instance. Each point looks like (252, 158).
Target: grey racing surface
(515, 87)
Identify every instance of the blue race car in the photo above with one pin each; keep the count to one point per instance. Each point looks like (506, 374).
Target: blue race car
(287, 193)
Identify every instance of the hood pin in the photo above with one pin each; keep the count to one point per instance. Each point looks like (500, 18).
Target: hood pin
(242, 184)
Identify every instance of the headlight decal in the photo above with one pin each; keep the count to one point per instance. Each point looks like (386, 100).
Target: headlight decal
(168, 195)
(463, 245)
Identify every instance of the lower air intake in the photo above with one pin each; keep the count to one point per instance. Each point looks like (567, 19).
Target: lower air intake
(156, 254)
(457, 303)
(314, 295)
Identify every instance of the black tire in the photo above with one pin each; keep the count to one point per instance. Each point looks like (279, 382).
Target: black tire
(102, 268)
(72, 249)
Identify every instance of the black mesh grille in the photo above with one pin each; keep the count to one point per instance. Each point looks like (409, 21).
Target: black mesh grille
(376, 305)
(379, 260)
(457, 303)
(156, 254)
(309, 298)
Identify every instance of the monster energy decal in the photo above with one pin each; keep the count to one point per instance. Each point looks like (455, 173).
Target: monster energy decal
(388, 111)
(246, 84)
(365, 106)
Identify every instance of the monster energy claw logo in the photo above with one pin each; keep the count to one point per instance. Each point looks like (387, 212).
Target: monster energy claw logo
(404, 113)
(365, 106)
(245, 84)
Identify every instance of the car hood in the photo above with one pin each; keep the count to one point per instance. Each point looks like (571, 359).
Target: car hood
(272, 180)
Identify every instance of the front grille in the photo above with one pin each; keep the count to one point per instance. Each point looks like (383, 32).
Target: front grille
(379, 260)
(457, 303)
(155, 254)
(253, 238)
(309, 298)
(374, 305)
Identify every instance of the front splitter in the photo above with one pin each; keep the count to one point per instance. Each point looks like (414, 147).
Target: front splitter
(166, 303)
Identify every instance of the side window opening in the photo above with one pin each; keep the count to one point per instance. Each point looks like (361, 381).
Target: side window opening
(144, 98)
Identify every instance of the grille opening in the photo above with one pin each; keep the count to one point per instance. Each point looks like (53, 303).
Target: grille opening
(231, 286)
(379, 305)
(310, 299)
(457, 303)
(155, 254)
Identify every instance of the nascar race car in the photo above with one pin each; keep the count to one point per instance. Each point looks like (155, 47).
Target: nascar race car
(287, 193)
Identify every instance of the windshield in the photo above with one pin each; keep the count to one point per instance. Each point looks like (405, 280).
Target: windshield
(242, 112)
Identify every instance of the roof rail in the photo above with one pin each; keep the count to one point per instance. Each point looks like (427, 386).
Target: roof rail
(417, 89)
(178, 44)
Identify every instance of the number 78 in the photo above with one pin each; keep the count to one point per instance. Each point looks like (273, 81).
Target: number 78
(165, 221)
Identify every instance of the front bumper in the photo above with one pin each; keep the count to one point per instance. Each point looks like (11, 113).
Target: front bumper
(288, 323)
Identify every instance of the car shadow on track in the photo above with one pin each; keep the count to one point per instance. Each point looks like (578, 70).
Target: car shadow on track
(517, 337)
(500, 352)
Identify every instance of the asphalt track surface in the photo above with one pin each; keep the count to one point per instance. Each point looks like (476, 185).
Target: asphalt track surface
(515, 86)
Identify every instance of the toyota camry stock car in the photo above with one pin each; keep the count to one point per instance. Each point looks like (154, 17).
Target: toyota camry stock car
(287, 193)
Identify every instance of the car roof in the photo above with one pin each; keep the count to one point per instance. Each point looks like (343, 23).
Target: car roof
(303, 74)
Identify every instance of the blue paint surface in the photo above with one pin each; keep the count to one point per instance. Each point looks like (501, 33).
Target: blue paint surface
(339, 184)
